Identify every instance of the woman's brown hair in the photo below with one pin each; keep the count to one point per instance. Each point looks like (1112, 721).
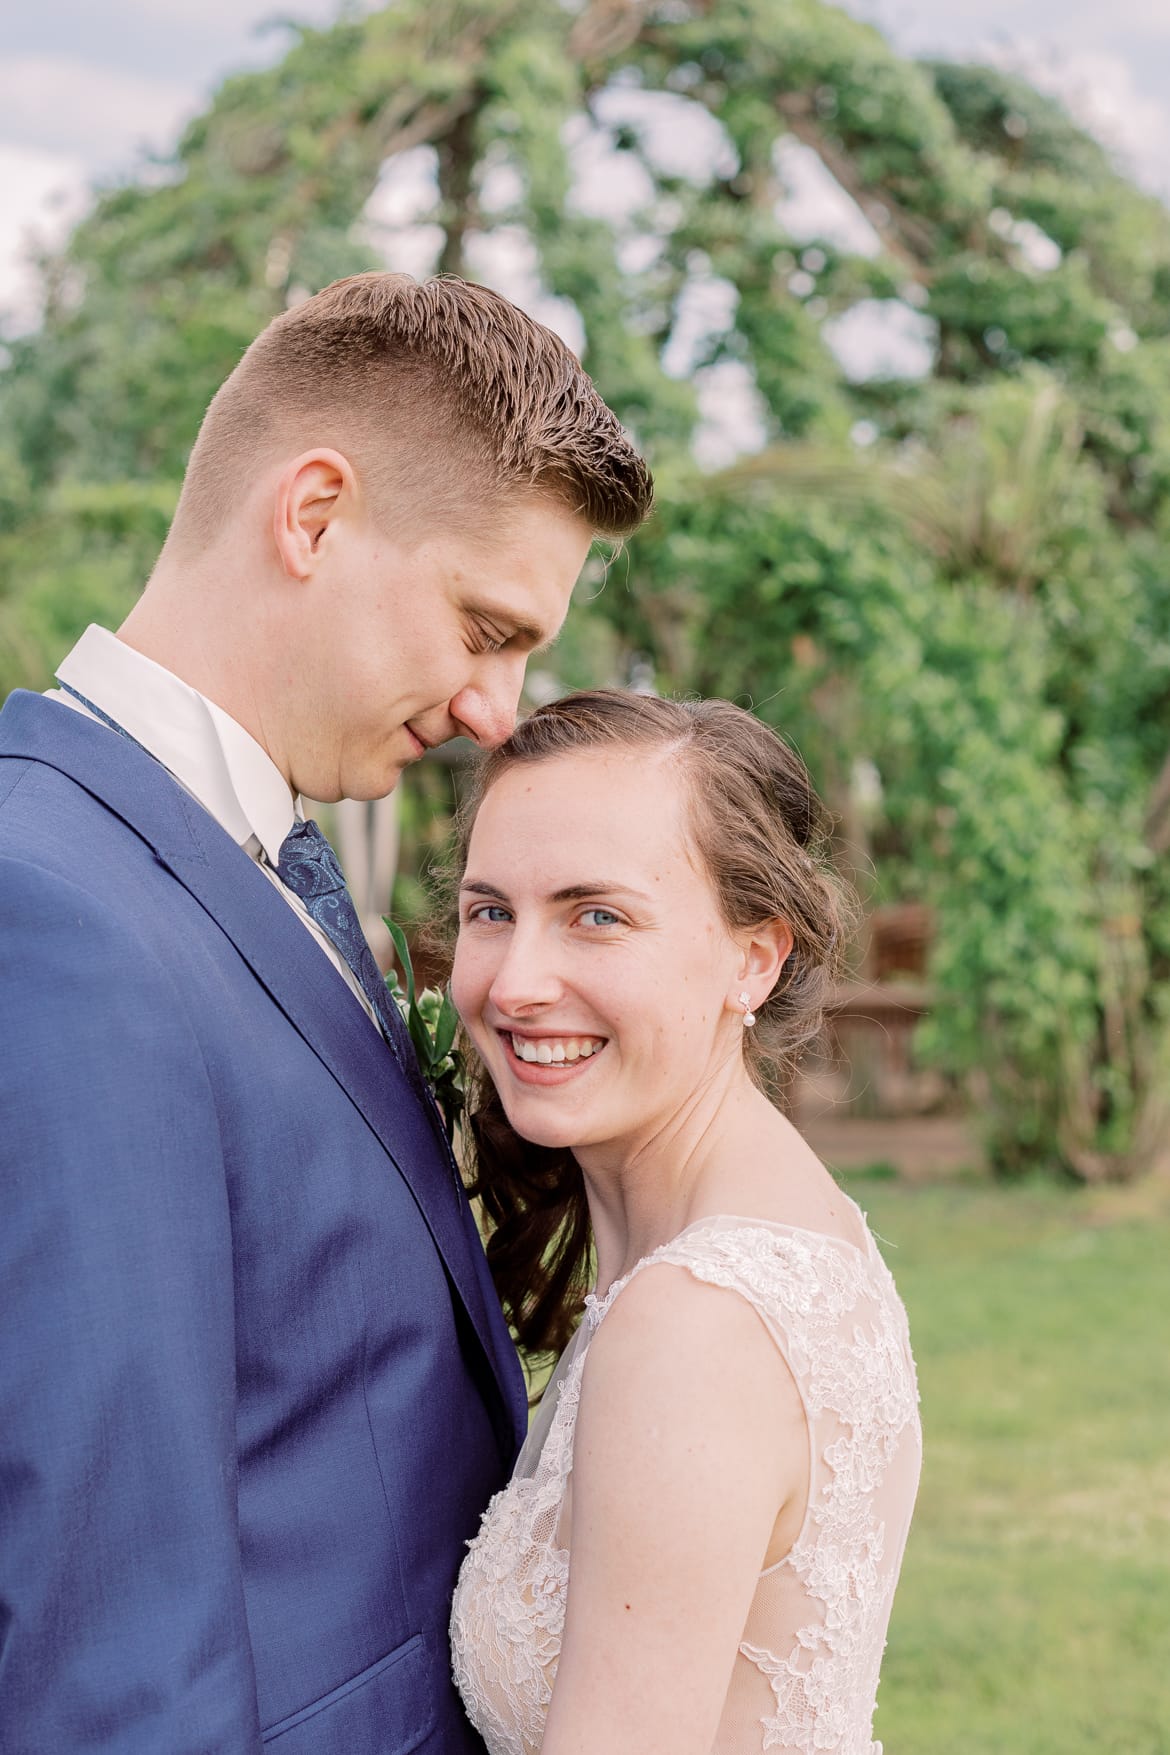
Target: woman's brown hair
(761, 833)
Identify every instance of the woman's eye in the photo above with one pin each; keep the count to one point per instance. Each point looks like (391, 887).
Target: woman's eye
(600, 917)
(490, 914)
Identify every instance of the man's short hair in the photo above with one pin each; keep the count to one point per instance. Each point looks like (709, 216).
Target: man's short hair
(447, 399)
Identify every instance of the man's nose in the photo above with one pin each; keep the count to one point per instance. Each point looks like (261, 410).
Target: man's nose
(486, 710)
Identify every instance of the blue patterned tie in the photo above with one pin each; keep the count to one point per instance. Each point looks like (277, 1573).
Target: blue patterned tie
(308, 865)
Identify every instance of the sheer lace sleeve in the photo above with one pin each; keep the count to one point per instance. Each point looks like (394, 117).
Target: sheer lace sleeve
(818, 1622)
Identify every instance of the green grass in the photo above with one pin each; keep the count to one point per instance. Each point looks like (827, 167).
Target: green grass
(1033, 1616)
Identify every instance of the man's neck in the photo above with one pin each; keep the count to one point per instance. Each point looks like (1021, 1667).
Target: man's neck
(205, 650)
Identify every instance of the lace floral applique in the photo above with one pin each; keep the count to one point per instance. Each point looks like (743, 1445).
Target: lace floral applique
(509, 1609)
(850, 1353)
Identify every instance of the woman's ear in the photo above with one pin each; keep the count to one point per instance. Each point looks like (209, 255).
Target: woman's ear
(313, 490)
(764, 952)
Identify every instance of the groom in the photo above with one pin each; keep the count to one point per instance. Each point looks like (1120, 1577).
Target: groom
(255, 1388)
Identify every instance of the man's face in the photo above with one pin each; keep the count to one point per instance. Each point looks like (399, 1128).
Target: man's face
(407, 646)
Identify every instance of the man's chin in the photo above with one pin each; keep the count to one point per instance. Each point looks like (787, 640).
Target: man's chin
(371, 791)
(375, 780)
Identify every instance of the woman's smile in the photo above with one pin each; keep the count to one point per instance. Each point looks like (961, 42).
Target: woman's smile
(547, 1059)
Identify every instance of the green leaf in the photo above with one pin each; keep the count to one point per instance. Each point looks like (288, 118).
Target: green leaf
(421, 1037)
(446, 1027)
(451, 1104)
(403, 950)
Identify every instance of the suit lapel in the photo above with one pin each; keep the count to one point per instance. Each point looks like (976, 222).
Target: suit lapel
(294, 971)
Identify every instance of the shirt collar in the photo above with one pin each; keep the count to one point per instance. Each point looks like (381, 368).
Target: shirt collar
(205, 749)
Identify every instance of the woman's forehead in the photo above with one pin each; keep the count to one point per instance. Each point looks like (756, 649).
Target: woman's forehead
(622, 809)
(607, 784)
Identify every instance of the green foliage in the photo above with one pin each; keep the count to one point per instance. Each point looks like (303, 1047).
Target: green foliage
(1046, 1419)
(432, 1021)
(987, 309)
(75, 553)
(977, 603)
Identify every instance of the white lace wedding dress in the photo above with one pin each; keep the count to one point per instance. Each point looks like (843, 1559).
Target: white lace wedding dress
(804, 1677)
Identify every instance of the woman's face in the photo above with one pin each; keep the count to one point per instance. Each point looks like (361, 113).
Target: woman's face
(594, 970)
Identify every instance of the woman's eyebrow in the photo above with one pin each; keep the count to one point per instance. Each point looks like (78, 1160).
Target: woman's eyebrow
(571, 892)
(582, 892)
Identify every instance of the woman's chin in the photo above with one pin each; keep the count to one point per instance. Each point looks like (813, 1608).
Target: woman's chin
(554, 1132)
(546, 1134)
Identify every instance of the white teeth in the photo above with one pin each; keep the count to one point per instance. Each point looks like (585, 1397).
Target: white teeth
(555, 1053)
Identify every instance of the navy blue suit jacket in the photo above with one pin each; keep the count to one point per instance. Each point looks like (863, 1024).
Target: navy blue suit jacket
(255, 1388)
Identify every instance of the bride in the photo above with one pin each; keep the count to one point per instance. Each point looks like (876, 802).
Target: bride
(699, 1547)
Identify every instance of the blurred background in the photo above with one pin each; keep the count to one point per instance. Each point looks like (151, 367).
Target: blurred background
(883, 291)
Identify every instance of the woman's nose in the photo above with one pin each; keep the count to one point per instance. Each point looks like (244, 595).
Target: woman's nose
(527, 977)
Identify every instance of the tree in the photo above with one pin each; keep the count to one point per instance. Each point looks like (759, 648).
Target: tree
(958, 579)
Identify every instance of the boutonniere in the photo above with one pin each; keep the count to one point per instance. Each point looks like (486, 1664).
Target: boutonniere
(432, 1021)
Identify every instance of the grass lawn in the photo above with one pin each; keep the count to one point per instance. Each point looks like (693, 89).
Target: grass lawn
(1033, 1616)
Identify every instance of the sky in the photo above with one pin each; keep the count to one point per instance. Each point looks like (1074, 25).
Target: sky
(84, 90)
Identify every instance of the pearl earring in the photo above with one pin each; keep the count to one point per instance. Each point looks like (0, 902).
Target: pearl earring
(749, 1016)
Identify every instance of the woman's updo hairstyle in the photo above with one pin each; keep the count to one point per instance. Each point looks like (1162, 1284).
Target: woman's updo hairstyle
(761, 834)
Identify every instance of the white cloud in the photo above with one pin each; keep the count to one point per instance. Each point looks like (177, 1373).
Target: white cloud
(1151, 17)
(680, 137)
(1092, 58)
(815, 205)
(706, 308)
(1099, 90)
(409, 249)
(396, 219)
(882, 338)
(932, 23)
(733, 416)
(41, 195)
(233, 15)
(57, 105)
(507, 260)
(607, 184)
(407, 189)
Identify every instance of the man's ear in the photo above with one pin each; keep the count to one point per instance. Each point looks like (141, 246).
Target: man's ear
(313, 490)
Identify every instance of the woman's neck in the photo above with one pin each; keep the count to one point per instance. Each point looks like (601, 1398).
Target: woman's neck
(642, 1193)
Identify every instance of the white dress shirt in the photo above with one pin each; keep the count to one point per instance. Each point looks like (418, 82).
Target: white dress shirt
(205, 750)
